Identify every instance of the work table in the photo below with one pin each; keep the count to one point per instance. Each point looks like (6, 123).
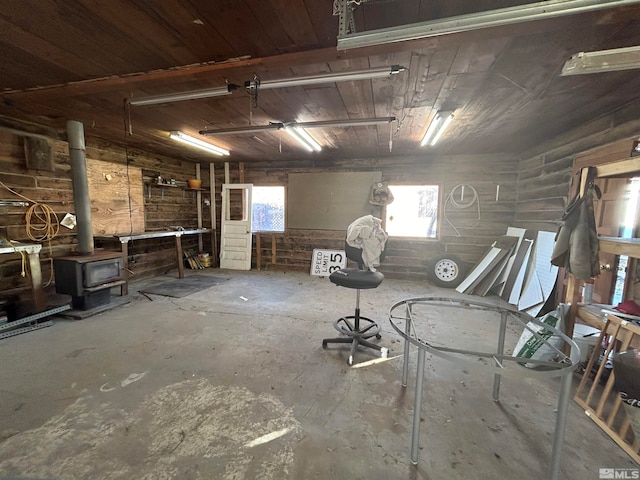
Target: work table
(125, 238)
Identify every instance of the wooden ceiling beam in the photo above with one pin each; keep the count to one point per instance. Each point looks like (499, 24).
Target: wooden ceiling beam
(235, 66)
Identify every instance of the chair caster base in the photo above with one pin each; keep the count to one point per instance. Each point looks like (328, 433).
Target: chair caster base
(354, 341)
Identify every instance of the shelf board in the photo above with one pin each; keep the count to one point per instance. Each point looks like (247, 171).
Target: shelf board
(619, 168)
(620, 246)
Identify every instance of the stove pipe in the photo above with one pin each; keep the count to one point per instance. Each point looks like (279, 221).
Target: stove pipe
(81, 201)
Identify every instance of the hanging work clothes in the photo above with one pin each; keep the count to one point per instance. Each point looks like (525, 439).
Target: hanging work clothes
(367, 234)
(577, 248)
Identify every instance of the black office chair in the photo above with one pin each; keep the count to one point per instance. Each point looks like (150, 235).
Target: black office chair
(350, 326)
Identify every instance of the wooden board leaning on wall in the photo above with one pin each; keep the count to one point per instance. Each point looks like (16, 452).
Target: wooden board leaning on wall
(117, 198)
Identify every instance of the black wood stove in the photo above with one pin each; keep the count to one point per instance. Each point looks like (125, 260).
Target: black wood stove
(89, 278)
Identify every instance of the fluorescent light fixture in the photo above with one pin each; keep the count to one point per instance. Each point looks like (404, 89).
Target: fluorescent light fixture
(356, 122)
(307, 138)
(303, 138)
(269, 84)
(602, 61)
(240, 130)
(179, 97)
(437, 127)
(195, 142)
(379, 72)
(474, 21)
(320, 124)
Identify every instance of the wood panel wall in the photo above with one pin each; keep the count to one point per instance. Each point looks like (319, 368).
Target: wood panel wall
(405, 258)
(532, 194)
(545, 174)
(163, 208)
(115, 191)
(52, 188)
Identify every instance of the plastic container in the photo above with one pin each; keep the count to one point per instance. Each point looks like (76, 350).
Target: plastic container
(205, 259)
(587, 292)
(586, 338)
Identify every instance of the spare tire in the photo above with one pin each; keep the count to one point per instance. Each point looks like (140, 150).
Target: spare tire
(446, 271)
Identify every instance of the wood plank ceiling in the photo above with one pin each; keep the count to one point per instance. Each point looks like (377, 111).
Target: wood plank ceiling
(81, 59)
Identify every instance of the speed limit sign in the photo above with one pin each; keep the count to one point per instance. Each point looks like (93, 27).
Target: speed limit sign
(324, 262)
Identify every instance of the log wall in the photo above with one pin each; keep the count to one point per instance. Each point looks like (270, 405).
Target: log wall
(545, 174)
(163, 207)
(405, 258)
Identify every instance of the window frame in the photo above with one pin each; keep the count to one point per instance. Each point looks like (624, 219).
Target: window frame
(284, 203)
(439, 212)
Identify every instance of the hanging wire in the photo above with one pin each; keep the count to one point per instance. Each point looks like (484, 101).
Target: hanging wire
(253, 92)
(126, 159)
(42, 225)
(46, 226)
(460, 205)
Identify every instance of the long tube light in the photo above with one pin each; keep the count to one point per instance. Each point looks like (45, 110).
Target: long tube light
(179, 97)
(320, 124)
(269, 84)
(357, 122)
(303, 138)
(240, 130)
(307, 138)
(475, 21)
(194, 142)
(437, 127)
(602, 61)
(367, 74)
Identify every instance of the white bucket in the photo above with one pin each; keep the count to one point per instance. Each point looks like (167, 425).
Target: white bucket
(586, 338)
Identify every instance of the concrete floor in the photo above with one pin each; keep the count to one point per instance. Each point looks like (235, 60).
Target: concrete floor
(232, 383)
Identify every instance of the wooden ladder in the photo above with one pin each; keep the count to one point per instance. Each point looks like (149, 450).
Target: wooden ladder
(597, 394)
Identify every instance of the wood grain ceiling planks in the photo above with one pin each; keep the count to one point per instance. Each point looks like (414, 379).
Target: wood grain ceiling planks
(88, 56)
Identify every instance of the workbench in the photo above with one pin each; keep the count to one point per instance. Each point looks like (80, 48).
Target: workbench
(124, 240)
(32, 250)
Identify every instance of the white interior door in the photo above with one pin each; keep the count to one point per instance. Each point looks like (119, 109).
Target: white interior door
(235, 233)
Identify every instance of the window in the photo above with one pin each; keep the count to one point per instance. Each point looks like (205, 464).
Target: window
(413, 212)
(627, 230)
(267, 209)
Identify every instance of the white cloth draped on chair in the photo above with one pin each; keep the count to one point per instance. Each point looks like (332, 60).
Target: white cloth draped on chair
(367, 234)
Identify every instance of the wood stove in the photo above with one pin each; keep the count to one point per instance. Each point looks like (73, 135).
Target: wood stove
(89, 278)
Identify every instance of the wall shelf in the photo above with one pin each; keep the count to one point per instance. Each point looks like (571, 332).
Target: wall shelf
(619, 168)
(620, 246)
(162, 186)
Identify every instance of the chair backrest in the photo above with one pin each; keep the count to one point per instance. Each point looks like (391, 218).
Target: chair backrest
(365, 242)
(355, 254)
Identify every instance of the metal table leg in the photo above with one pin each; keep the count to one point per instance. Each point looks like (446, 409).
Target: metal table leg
(561, 425)
(415, 435)
(405, 364)
(501, 335)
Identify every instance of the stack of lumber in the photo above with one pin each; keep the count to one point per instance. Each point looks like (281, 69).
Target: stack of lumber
(193, 260)
(516, 267)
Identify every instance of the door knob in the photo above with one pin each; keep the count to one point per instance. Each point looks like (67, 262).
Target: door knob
(606, 267)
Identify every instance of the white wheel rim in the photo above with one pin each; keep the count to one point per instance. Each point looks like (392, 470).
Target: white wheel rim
(446, 270)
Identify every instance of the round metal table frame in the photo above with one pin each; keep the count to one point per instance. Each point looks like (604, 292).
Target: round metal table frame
(402, 319)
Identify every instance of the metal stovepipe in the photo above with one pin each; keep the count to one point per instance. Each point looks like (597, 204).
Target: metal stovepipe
(81, 201)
